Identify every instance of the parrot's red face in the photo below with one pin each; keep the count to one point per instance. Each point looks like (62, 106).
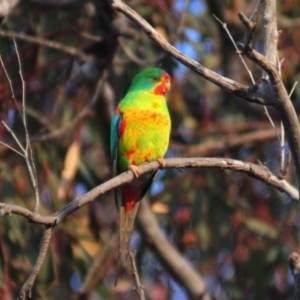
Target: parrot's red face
(163, 84)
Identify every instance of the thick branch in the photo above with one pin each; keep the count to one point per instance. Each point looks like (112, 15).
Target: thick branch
(275, 92)
(270, 32)
(259, 172)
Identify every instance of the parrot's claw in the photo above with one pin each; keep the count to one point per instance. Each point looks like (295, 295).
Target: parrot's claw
(135, 170)
(161, 163)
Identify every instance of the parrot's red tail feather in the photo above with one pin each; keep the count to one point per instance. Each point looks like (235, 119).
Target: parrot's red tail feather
(131, 195)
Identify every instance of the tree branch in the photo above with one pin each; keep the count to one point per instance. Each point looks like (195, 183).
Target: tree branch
(260, 172)
(26, 288)
(82, 114)
(275, 92)
(221, 145)
(138, 286)
(250, 94)
(270, 32)
(47, 43)
(267, 93)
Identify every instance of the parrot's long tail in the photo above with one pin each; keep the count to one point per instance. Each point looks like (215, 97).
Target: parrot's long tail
(126, 229)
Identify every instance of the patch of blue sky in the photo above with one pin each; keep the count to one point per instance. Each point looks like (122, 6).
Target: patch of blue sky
(193, 34)
(11, 116)
(178, 292)
(188, 50)
(196, 7)
(157, 187)
(179, 5)
(81, 189)
(75, 282)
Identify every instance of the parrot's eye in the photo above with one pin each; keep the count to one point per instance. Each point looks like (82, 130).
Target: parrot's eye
(154, 79)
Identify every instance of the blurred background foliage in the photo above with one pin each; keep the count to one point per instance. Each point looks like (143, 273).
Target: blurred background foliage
(237, 232)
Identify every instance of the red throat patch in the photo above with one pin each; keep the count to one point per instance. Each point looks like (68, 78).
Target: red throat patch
(164, 86)
(160, 90)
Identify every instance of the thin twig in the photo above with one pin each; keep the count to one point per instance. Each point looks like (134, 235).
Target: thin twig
(138, 286)
(15, 138)
(293, 88)
(183, 18)
(131, 55)
(10, 85)
(257, 11)
(83, 113)
(27, 286)
(282, 164)
(224, 25)
(11, 148)
(47, 43)
(28, 153)
(250, 36)
(272, 123)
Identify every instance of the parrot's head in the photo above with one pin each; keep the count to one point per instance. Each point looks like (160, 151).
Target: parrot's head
(154, 80)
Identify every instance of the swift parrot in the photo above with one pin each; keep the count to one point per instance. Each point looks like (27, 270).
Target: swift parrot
(140, 131)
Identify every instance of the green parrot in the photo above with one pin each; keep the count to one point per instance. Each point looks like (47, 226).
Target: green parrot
(140, 132)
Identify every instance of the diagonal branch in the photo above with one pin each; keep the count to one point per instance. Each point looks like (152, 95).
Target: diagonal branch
(26, 288)
(258, 171)
(82, 114)
(47, 43)
(250, 94)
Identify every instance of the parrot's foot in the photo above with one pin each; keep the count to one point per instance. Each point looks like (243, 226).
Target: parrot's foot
(135, 170)
(161, 163)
